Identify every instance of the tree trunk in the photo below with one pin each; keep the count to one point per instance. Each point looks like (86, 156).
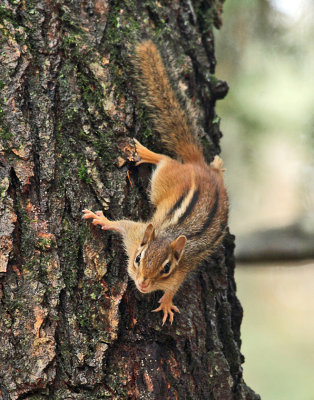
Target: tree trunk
(72, 326)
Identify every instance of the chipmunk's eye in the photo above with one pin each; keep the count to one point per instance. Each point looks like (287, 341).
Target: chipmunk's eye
(138, 258)
(166, 268)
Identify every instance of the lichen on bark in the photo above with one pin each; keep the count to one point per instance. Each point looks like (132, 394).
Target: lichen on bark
(72, 324)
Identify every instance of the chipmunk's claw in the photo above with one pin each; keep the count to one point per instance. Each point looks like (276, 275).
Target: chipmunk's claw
(167, 308)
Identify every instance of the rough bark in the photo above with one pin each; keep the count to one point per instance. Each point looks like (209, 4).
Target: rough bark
(72, 326)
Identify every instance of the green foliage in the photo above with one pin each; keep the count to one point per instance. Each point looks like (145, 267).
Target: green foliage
(83, 173)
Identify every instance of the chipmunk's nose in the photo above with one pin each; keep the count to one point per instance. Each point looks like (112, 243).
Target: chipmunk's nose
(143, 285)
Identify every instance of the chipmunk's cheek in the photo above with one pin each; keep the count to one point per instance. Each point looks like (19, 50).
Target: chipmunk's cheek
(132, 271)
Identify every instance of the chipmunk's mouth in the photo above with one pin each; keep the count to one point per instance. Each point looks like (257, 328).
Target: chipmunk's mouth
(143, 289)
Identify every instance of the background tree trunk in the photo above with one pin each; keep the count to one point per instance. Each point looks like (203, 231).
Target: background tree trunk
(71, 324)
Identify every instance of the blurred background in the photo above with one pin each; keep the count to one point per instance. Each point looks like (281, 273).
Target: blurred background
(265, 52)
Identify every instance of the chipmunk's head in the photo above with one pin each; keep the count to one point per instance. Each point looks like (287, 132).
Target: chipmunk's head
(155, 261)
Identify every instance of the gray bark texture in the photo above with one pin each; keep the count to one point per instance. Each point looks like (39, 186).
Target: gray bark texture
(72, 325)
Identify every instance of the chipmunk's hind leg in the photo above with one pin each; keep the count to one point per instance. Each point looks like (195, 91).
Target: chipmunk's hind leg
(147, 156)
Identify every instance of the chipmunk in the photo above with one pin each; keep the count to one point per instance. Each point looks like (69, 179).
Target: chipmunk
(191, 202)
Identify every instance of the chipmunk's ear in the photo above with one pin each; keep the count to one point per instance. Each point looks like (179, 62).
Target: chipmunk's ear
(148, 235)
(177, 247)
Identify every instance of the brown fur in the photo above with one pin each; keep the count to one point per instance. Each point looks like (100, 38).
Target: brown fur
(169, 118)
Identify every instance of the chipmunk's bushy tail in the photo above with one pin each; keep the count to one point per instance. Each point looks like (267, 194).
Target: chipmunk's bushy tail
(168, 116)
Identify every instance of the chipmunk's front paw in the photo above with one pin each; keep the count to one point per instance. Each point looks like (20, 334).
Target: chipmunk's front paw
(140, 150)
(98, 218)
(166, 307)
